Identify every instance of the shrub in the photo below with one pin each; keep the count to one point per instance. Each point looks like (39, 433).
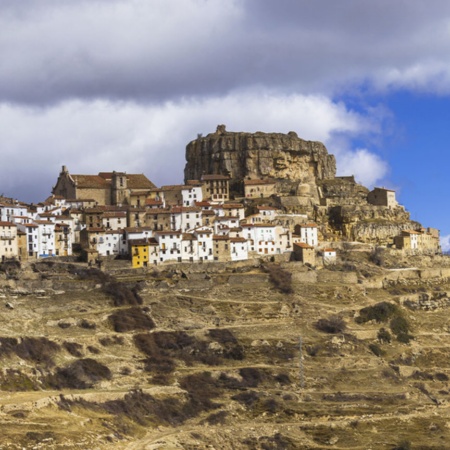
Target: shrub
(313, 350)
(399, 325)
(404, 338)
(441, 376)
(384, 336)
(81, 374)
(73, 348)
(217, 418)
(252, 377)
(87, 325)
(332, 325)
(122, 295)
(380, 312)
(280, 278)
(232, 348)
(38, 350)
(114, 340)
(404, 445)
(201, 388)
(376, 350)
(247, 398)
(93, 350)
(130, 320)
(377, 256)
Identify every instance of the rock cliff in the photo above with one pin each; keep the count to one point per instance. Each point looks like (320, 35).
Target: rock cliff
(284, 157)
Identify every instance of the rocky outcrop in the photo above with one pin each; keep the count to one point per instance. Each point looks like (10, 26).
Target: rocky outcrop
(368, 223)
(296, 163)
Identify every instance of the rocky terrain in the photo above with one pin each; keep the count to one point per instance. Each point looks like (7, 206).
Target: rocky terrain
(255, 356)
(287, 158)
(305, 182)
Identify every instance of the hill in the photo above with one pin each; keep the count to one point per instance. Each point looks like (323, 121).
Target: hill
(255, 355)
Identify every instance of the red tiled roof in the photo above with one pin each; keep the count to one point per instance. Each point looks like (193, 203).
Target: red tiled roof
(302, 245)
(258, 182)
(214, 177)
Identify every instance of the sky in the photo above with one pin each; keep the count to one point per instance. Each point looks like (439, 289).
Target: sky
(102, 85)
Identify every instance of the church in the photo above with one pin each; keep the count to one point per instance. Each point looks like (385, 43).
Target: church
(106, 188)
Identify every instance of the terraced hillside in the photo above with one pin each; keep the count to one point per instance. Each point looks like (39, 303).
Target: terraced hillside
(262, 356)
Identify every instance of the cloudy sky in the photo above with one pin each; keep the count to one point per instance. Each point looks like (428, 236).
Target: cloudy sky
(101, 85)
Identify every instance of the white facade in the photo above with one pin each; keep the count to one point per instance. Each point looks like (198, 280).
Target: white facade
(191, 194)
(308, 234)
(8, 211)
(109, 243)
(46, 238)
(185, 219)
(169, 245)
(204, 237)
(239, 249)
(329, 256)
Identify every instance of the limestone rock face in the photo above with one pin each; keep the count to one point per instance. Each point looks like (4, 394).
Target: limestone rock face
(259, 155)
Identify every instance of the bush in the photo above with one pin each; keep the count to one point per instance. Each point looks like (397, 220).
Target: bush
(81, 374)
(399, 325)
(38, 350)
(114, 340)
(87, 325)
(332, 325)
(441, 376)
(122, 294)
(232, 348)
(404, 338)
(380, 312)
(202, 387)
(73, 348)
(384, 336)
(377, 256)
(280, 278)
(404, 445)
(247, 398)
(130, 320)
(216, 418)
(376, 350)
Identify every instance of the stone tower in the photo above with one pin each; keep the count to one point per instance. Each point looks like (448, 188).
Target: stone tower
(119, 188)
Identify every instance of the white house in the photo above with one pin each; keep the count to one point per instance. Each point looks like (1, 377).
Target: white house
(169, 245)
(191, 193)
(189, 247)
(308, 234)
(110, 243)
(46, 238)
(185, 218)
(329, 255)
(204, 237)
(239, 249)
(9, 210)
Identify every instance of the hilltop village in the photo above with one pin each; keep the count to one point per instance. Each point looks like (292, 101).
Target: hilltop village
(245, 195)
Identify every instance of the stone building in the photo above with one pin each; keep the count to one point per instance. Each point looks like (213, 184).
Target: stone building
(382, 197)
(216, 187)
(106, 188)
(259, 188)
(8, 241)
(304, 253)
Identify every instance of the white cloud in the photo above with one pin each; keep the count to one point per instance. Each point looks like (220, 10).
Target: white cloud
(445, 243)
(100, 136)
(367, 167)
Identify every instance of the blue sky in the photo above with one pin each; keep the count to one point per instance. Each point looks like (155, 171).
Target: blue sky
(101, 85)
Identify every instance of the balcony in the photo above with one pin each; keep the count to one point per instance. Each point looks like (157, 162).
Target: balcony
(6, 237)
